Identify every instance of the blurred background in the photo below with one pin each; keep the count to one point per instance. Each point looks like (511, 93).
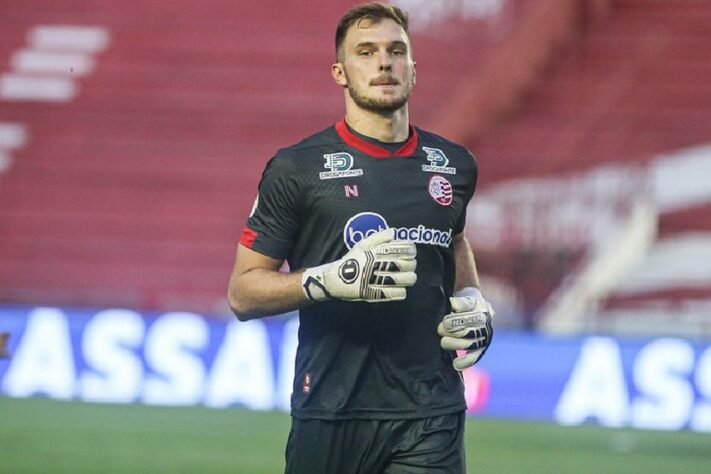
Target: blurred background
(132, 138)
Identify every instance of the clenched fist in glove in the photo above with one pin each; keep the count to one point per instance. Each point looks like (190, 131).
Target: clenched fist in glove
(468, 327)
(376, 269)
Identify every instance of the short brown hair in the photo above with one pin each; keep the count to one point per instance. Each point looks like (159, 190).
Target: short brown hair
(375, 12)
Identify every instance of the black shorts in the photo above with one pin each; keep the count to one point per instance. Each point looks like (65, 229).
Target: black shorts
(422, 446)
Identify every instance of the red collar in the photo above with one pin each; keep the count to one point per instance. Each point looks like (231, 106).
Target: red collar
(374, 150)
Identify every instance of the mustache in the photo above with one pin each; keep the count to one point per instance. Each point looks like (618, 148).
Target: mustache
(380, 80)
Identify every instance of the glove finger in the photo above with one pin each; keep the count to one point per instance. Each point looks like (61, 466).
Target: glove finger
(475, 333)
(467, 360)
(458, 321)
(399, 265)
(382, 237)
(462, 343)
(477, 343)
(461, 304)
(457, 343)
(399, 249)
(391, 294)
(391, 280)
(401, 279)
(443, 330)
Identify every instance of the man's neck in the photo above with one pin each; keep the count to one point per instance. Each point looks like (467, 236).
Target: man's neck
(386, 128)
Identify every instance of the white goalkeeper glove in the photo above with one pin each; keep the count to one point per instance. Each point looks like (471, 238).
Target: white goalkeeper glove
(468, 327)
(376, 269)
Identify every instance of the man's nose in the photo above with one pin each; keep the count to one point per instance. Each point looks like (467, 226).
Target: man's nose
(386, 63)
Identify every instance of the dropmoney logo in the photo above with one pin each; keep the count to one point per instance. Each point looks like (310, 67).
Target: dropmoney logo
(340, 164)
(361, 226)
(365, 224)
(438, 162)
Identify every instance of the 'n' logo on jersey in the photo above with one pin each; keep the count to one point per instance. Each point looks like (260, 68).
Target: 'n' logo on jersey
(438, 162)
(440, 190)
(351, 190)
(340, 164)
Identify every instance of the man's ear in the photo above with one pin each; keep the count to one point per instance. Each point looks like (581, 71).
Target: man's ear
(339, 74)
(414, 72)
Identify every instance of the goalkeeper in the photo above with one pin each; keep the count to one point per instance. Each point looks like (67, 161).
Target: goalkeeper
(369, 214)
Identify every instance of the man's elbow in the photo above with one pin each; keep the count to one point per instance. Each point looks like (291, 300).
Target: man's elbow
(240, 307)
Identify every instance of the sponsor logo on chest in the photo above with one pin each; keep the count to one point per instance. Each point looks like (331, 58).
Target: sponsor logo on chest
(365, 224)
(340, 165)
(438, 162)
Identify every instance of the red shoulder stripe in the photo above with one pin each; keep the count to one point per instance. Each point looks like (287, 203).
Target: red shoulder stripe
(248, 237)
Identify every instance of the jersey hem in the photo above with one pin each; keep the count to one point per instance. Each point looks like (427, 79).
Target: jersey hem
(367, 414)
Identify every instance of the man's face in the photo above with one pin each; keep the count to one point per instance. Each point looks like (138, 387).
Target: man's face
(377, 65)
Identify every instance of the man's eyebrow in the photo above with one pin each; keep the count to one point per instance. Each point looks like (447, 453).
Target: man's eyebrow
(371, 44)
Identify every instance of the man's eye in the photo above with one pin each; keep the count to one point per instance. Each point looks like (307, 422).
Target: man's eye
(365, 53)
(398, 52)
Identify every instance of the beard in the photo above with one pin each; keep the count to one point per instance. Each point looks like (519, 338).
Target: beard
(382, 105)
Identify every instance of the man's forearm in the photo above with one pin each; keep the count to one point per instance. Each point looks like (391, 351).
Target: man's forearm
(465, 264)
(263, 292)
(376, 269)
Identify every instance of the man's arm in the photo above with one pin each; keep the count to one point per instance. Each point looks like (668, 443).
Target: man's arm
(376, 269)
(469, 326)
(257, 288)
(466, 273)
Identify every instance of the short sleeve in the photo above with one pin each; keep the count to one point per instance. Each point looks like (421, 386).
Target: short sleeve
(273, 225)
(472, 176)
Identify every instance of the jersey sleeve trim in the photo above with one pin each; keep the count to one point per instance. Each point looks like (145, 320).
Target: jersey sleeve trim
(248, 237)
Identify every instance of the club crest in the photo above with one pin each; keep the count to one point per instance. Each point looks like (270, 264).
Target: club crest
(440, 190)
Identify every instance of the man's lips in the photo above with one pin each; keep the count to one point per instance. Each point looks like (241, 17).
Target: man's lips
(385, 82)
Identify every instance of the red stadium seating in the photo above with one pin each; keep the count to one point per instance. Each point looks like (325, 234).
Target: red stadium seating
(134, 193)
(625, 91)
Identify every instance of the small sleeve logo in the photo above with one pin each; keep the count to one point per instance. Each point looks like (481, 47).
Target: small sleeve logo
(307, 383)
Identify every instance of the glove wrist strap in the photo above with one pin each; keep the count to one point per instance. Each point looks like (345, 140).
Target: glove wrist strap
(470, 291)
(314, 285)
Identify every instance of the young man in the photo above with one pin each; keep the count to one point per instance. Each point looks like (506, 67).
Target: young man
(369, 214)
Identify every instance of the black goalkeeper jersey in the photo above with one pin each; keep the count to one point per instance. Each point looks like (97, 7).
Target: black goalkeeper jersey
(316, 200)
